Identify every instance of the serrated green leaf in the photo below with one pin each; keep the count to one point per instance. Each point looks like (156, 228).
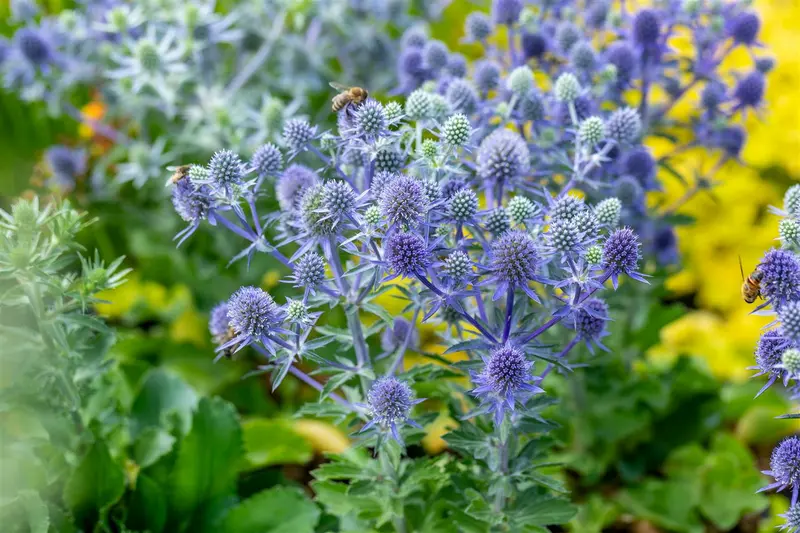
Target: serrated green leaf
(277, 510)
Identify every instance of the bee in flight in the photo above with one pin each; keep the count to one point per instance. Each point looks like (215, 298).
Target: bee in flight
(178, 173)
(751, 287)
(347, 95)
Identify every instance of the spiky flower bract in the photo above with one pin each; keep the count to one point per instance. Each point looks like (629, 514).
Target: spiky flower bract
(504, 382)
(309, 270)
(590, 321)
(407, 254)
(252, 313)
(225, 169)
(316, 221)
(503, 156)
(785, 466)
(789, 316)
(456, 130)
(218, 322)
(514, 258)
(624, 125)
(267, 159)
(404, 201)
(463, 205)
(621, 255)
(780, 282)
(390, 401)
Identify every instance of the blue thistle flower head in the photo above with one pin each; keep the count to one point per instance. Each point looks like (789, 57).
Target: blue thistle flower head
(218, 322)
(731, 139)
(567, 36)
(486, 75)
(769, 350)
(503, 156)
(780, 277)
(225, 170)
(646, 28)
(623, 57)
(497, 221)
(463, 205)
(590, 321)
(504, 382)
(389, 401)
(743, 27)
(621, 255)
(411, 68)
(597, 14)
(297, 133)
(414, 37)
(791, 200)
(292, 185)
(315, 218)
(370, 119)
(435, 55)
(640, 164)
(404, 202)
(66, 164)
(566, 208)
(749, 91)
(789, 316)
(462, 96)
(389, 160)
(457, 65)
(506, 11)
(515, 260)
(309, 271)
(563, 237)
(35, 45)
(191, 202)
(457, 265)
(380, 181)
(252, 314)
(792, 519)
(583, 57)
(534, 45)
(339, 199)
(267, 160)
(531, 106)
(407, 254)
(478, 26)
(624, 125)
(394, 336)
(785, 465)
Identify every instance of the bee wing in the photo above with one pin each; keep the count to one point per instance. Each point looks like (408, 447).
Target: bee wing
(741, 268)
(339, 86)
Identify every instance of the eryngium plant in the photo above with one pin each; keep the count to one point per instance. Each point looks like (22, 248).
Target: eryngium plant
(501, 211)
(178, 79)
(776, 280)
(54, 392)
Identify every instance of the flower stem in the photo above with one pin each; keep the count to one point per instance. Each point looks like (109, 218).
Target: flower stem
(260, 56)
(401, 351)
(509, 312)
(561, 354)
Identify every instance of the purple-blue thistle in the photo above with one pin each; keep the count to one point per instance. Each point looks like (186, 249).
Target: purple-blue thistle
(407, 254)
(253, 314)
(389, 401)
(743, 28)
(403, 202)
(218, 322)
(749, 91)
(292, 185)
(506, 11)
(590, 321)
(780, 281)
(503, 156)
(309, 271)
(267, 160)
(785, 467)
(504, 382)
(621, 255)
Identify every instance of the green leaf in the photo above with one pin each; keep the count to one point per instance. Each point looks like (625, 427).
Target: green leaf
(534, 508)
(147, 506)
(277, 510)
(270, 441)
(95, 485)
(152, 444)
(208, 460)
(162, 393)
(670, 504)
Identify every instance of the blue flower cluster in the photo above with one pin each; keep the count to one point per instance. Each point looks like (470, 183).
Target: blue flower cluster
(179, 79)
(597, 59)
(501, 198)
(777, 355)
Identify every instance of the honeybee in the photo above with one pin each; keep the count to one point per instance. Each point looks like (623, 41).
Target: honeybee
(347, 95)
(751, 287)
(224, 338)
(178, 173)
